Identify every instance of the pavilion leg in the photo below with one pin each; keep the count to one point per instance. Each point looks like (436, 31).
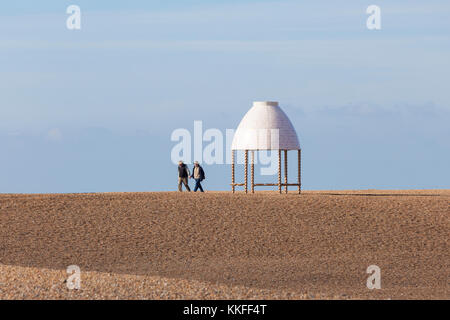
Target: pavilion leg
(246, 171)
(279, 171)
(253, 172)
(285, 170)
(299, 171)
(232, 171)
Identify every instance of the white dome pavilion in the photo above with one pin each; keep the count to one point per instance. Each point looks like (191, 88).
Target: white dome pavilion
(265, 127)
(255, 132)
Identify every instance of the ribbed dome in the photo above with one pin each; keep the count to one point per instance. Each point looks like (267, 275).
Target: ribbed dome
(254, 131)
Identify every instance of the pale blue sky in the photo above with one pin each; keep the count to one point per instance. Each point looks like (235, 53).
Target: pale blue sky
(93, 110)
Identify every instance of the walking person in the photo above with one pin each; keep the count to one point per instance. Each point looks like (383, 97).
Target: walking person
(199, 175)
(183, 175)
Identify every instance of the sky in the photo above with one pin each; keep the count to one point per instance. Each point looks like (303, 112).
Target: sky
(93, 110)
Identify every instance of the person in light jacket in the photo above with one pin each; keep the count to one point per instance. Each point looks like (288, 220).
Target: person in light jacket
(198, 175)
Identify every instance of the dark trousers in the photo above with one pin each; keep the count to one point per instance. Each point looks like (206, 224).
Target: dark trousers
(198, 185)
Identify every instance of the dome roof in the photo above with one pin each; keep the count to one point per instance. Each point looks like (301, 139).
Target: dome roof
(255, 132)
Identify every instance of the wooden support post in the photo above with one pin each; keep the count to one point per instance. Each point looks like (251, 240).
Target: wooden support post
(232, 171)
(253, 171)
(279, 171)
(299, 171)
(246, 173)
(285, 170)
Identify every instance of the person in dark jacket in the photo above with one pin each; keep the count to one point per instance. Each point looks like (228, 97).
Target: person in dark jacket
(183, 175)
(199, 175)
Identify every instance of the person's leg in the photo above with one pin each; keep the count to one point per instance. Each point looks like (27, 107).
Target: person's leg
(200, 186)
(179, 184)
(185, 181)
(197, 181)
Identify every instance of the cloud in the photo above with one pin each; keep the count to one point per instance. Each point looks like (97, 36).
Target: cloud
(368, 109)
(54, 135)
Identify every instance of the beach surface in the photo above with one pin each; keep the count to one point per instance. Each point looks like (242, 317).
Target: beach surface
(219, 245)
